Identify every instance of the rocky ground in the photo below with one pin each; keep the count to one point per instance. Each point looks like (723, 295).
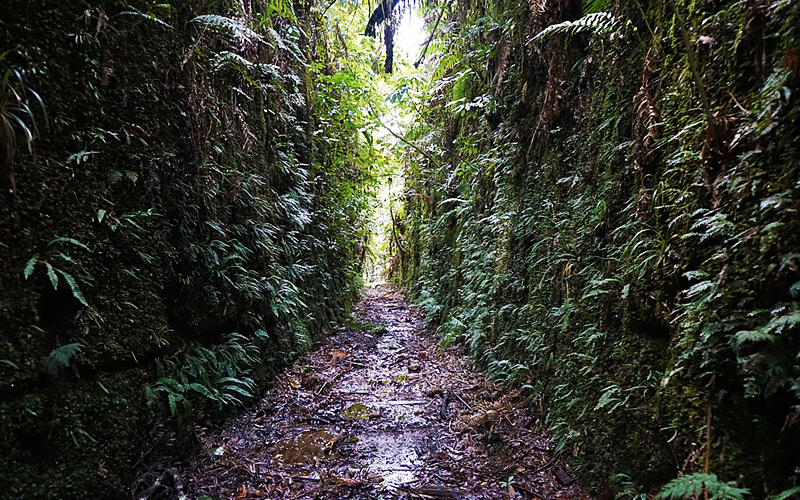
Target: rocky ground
(379, 411)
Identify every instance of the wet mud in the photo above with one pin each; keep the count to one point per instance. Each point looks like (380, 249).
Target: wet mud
(378, 411)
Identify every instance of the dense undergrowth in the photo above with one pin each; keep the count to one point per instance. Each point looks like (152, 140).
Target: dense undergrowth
(185, 195)
(603, 206)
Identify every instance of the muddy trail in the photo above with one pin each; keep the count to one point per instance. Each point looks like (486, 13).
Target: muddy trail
(378, 411)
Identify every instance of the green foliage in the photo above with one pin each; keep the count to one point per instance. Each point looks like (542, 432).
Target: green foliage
(235, 28)
(580, 233)
(17, 104)
(594, 6)
(53, 272)
(786, 494)
(694, 485)
(601, 23)
(207, 170)
(220, 374)
(61, 357)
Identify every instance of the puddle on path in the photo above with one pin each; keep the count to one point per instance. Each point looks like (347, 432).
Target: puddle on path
(370, 415)
(392, 456)
(308, 447)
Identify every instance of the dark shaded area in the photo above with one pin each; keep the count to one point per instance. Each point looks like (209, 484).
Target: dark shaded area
(381, 14)
(385, 14)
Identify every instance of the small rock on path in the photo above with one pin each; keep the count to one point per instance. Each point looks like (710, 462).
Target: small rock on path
(378, 411)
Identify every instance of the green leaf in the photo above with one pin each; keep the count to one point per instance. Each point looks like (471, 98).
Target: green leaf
(236, 388)
(173, 400)
(698, 288)
(61, 357)
(9, 363)
(52, 275)
(68, 240)
(73, 285)
(202, 390)
(692, 486)
(30, 265)
(596, 6)
(785, 494)
(100, 214)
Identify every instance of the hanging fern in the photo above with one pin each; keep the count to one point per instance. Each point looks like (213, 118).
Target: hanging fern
(74, 288)
(227, 59)
(231, 27)
(601, 23)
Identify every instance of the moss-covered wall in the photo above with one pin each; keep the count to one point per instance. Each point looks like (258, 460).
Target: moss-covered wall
(588, 227)
(171, 230)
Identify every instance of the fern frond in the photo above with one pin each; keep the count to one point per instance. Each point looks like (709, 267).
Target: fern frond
(9, 363)
(202, 390)
(51, 273)
(148, 16)
(759, 335)
(692, 486)
(174, 399)
(73, 286)
(601, 23)
(234, 28)
(62, 239)
(786, 494)
(30, 265)
(227, 59)
(596, 6)
(61, 357)
(288, 46)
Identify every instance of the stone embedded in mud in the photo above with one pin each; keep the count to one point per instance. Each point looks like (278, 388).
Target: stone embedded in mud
(434, 391)
(359, 411)
(308, 447)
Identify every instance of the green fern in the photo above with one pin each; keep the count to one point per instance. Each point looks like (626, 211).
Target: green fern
(793, 492)
(596, 6)
(74, 288)
(9, 363)
(776, 326)
(30, 265)
(148, 16)
(53, 272)
(693, 485)
(231, 27)
(73, 241)
(61, 357)
(601, 23)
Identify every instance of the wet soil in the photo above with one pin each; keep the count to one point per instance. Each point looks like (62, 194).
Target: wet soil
(379, 411)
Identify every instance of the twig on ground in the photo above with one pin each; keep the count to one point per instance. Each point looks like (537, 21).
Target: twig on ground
(547, 465)
(331, 381)
(533, 493)
(452, 393)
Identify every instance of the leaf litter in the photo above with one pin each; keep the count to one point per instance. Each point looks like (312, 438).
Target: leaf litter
(382, 412)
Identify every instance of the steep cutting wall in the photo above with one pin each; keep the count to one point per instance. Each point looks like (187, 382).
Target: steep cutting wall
(175, 224)
(607, 212)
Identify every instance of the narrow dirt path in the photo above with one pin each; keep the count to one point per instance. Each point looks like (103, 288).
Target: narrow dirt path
(380, 412)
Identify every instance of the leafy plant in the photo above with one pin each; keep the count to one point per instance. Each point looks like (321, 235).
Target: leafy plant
(17, 103)
(54, 272)
(219, 374)
(694, 485)
(600, 23)
(61, 357)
